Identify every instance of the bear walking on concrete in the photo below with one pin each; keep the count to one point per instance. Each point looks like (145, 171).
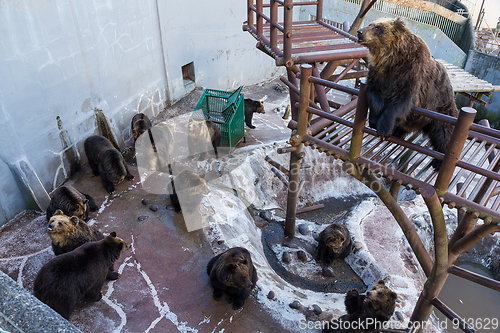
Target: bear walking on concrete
(371, 310)
(71, 202)
(203, 136)
(233, 273)
(68, 233)
(106, 161)
(334, 243)
(402, 74)
(188, 187)
(78, 274)
(252, 107)
(140, 124)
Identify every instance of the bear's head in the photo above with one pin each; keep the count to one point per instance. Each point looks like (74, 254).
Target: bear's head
(61, 226)
(79, 209)
(140, 126)
(237, 268)
(196, 127)
(113, 164)
(259, 107)
(190, 188)
(380, 301)
(335, 240)
(116, 245)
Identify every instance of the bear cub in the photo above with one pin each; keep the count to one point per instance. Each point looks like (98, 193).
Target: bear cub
(233, 273)
(71, 202)
(203, 136)
(378, 304)
(140, 124)
(334, 243)
(68, 233)
(402, 74)
(106, 161)
(252, 107)
(78, 274)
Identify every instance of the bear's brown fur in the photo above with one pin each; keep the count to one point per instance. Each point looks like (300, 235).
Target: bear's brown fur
(188, 187)
(378, 304)
(402, 74)
(68, 233)
(106, 161)
(232, 272)
(71, 202)
(140, 124)
(78, 274)
(334, 242)
(203, 136)
(154, 149)
(252, 107)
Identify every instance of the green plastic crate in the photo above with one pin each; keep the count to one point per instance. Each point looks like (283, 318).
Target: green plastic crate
(226, 109)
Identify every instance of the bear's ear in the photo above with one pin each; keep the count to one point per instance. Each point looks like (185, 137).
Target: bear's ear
(58, 212)
(85, 201)
(230, 267)
(399, 24)
(394, 295)
(74, 219)
(113, 234)
(381, 282)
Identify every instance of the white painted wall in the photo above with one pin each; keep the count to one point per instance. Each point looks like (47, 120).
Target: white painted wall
(78, 56)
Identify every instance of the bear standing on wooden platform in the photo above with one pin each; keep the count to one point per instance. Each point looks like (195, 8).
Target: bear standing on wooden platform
(371, 310)
(402, 74)
(233, 273)
(252, 107)
(71, 202)
(77, 274)
(106, 161)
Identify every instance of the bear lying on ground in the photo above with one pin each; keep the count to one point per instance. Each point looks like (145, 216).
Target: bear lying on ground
(188, 187)
(140, 124)
(232, 272)
(203, 136)
(377, 306)
(78, 274)
(106, 161)
(402, 74)
(71, 202)
(334, 243)
(252, 107)
(68, 233)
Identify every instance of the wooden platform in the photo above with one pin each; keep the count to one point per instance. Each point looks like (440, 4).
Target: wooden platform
(463, 81)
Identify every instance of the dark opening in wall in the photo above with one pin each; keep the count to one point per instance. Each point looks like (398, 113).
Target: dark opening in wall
(188, 73)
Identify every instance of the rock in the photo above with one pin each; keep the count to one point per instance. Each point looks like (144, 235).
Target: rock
(358, 245)
(399, 315)
(286, 257)
(153, 208)
(266, 215)
(142, 218)
(316, 309)
(271, 295)
(327, 272)
(145, 202)
(295, 305)
(303, 229)
(315, 235)
(301, 255)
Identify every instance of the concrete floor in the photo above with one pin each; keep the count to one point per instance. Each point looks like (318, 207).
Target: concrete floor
(164, 285)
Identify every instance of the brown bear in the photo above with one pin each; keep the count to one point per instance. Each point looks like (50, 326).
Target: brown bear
(365, 313)
(203, 136)
(140, 124)
(68, 233)
(334, 242)
(78, 274)
(154, 150)
(402, 74)
(252, 107)
(232, 272)
(188, 187)
(106, 161)
(71, 202)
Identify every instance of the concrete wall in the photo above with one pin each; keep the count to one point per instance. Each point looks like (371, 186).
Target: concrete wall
(440, 45)
(61, 64)
(485, 67)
